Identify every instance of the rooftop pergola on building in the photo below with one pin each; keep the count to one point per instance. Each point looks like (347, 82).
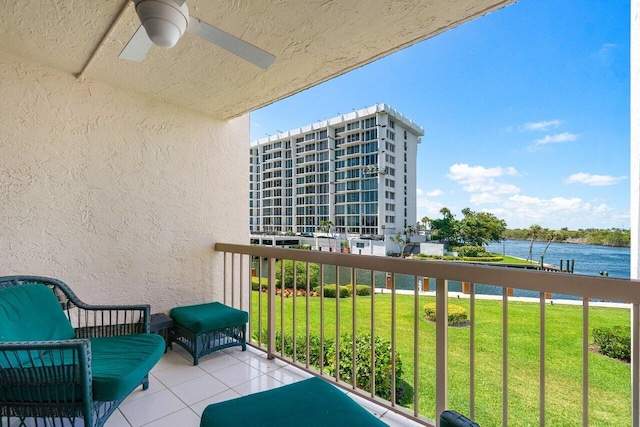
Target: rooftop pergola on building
(357, 170)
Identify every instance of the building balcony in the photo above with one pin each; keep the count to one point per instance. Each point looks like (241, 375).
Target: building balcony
(477, 369)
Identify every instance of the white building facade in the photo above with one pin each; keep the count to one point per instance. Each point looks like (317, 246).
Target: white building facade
(357, 170)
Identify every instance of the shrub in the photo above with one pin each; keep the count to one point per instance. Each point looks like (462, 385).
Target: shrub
(330, 291)
(301, 274)
(456, 314)
(471, 251)
(383, 366)
(255, 286)
(614, 342)
(383, 359)
(361, 290)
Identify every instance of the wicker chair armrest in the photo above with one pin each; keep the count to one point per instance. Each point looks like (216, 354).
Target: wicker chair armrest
(82, 344)
(53, 373)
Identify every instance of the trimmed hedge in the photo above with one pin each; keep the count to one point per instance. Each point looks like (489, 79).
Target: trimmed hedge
(330, 291)
(614, 342)
(361, 290)
(456, 314)
(383, 358)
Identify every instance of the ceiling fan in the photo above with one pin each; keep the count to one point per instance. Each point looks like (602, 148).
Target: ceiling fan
(163, 22)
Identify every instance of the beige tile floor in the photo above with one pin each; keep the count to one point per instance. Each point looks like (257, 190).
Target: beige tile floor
(179, 391)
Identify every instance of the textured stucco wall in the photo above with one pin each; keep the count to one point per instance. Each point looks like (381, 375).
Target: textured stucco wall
(120, 197)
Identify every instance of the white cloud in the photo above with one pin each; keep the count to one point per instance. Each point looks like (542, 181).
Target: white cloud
(532, 126)
(593, 180)
(426, 206)
(484, 198)
(520, 211)
(553, 139)
(478, 179)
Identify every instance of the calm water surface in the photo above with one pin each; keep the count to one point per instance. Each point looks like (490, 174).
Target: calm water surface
(588, 260)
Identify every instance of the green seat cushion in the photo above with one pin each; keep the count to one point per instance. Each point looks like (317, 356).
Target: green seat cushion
(32, 313)
(208, 317)
(312, 402)
(118, 364)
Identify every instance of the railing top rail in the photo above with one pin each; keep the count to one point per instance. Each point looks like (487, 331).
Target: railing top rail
(604, 288)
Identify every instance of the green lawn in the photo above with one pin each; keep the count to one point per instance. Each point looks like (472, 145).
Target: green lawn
(609, 385)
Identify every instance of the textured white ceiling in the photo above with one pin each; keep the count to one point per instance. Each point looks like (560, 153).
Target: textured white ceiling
(313, 40)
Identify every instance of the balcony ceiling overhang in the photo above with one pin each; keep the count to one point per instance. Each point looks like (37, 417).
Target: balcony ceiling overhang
(313, 41)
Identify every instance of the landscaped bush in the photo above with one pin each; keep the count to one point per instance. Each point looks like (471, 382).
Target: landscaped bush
(471, 251)
(301, 347)
(330, 291)
(456, 314)
(255, 284)
(614, 342)
(301, 274)
(361, 290)
(383, 367)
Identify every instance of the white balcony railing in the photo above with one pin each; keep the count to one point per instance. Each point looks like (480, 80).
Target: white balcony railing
(267, 309)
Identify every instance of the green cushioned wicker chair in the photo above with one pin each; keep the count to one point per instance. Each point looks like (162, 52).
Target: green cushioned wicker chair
(310, 403)
(63, 362)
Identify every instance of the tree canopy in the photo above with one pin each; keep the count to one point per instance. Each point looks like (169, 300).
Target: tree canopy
(475, 228)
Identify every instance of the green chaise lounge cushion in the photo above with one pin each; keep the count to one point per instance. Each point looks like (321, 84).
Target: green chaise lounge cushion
(313, 402)
(208, 317)
(32, 313)
(118, 364)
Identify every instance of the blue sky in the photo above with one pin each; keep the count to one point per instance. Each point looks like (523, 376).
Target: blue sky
(525, 112)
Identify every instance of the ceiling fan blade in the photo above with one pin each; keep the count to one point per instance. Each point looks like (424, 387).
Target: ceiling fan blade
(137, 47)
(231, 43)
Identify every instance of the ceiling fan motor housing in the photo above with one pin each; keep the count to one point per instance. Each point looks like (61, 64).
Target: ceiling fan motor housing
(163, 20)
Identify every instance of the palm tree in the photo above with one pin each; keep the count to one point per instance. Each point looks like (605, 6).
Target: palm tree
(326, 225)
(426, 223)
(398, 240)
(409, 231)
(534, 231)
(551, 236)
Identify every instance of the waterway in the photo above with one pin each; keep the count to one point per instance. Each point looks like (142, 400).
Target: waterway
(586, 259)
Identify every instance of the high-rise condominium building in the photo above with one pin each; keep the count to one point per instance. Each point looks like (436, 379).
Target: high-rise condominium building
(357, 170)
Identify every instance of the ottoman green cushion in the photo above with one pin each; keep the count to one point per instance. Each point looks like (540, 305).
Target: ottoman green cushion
(119, 363)
(208, 317)
(312, 402)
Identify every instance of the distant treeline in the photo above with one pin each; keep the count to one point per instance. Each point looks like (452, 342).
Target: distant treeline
(591, 236)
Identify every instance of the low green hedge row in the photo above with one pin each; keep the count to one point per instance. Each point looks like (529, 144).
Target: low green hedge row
(614, 342)
(383, 359)
(329, 290)
(344, 291)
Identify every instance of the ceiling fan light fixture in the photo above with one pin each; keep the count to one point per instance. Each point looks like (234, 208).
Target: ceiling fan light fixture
(163, 20)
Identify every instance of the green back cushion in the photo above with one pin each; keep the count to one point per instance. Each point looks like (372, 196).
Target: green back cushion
(32, 313)
(312, 402)
(208, 317)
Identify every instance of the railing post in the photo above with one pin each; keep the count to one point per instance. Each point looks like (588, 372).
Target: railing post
(271, 309)
(442, 369)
